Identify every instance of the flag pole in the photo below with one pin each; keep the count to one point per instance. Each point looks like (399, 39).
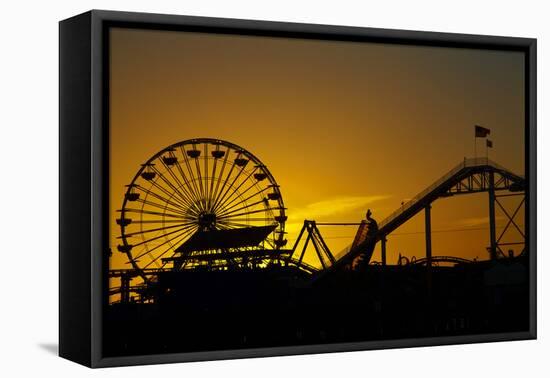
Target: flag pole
(488, 144)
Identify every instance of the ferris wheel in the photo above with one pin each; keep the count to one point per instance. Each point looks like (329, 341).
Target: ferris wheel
(201, 203)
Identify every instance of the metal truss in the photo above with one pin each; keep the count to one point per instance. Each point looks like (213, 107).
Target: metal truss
(321, 249)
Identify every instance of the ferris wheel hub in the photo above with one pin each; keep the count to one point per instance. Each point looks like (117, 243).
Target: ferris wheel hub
(206, 220)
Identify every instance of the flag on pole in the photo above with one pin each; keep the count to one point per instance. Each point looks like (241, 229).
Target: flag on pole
(482, 132)
(489, 143)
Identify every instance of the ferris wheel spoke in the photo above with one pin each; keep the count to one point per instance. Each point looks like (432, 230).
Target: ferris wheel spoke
(233, 202)
(199, 176)
(163, 207)
(235, 194)
(179, 239)
(159, 197)
(171, 185)
(188, 184)
(190, 211)
(216, 205)
(206, 174)
(215, 193)
(245, 213)
(174, 177)
(186, 227)
(190, 170)
(181, 229)
(151, 230)
(223, 226)
(170, 195)
(247, 206)
(131, 210)
(264, 219)
(228, 190)
(154, 259)
(219, 193)
(254, 185)
(210, 198)
(156, 221)
(234, 224)
(188, 195)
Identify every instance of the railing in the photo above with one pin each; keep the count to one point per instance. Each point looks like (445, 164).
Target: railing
(407, 205)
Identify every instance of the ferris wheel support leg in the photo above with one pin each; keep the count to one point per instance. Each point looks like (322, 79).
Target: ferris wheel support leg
(125, 288)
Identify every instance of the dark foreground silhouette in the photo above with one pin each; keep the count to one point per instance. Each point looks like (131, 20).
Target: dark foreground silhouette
(218, 310)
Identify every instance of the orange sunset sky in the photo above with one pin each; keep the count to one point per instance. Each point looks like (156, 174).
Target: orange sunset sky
(342, 126)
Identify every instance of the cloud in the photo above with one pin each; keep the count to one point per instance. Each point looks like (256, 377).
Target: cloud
(476, 221)
(324, 210)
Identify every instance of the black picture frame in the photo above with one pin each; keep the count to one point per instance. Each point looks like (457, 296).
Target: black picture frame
(84, 157)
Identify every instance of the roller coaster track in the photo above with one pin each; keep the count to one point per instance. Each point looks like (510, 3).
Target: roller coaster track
(470, 176)
(441, 259)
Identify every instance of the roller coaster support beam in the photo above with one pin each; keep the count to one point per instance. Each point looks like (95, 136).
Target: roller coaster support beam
(427, 212)
(492, 223)
(383, 242)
